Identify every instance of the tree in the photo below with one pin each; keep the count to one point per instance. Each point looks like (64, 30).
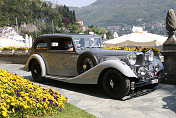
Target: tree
(32, 11)
(98, 31)
(109, 35)
(74, 28)
(66, 21)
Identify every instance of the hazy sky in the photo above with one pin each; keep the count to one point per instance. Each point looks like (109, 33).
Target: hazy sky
(73, 3)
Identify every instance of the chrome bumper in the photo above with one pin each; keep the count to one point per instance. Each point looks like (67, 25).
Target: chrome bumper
(144, 83)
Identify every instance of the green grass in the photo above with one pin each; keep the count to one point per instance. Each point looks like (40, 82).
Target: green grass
(71, 111)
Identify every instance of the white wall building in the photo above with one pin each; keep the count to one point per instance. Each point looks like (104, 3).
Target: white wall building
(115, 35)
(9, 37)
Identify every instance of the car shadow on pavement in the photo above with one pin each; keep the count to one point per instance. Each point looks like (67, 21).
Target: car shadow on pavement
(139, 92)
(29, 78)
(170, 100)
(90, 89)
(170, 103)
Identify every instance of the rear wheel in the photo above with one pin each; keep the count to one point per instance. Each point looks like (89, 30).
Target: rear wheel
(36, 71)
(115, 84)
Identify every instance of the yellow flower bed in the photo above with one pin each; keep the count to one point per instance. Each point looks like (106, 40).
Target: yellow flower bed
(21, 98)
(121, 48)
(14, 48)
(144, 49)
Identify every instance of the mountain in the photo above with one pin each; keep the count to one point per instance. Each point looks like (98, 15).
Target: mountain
(125, 12)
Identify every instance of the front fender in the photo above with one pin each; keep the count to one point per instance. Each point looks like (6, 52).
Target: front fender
(120, 66)
(40, 60)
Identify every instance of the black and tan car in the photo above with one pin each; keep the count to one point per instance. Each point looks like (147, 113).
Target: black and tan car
(82, 59)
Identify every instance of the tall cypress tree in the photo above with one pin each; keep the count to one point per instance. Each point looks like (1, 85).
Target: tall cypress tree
(74, 16)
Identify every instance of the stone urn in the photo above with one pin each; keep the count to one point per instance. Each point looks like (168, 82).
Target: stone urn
(169, 48)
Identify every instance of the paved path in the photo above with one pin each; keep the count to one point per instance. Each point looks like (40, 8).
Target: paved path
(160, 103)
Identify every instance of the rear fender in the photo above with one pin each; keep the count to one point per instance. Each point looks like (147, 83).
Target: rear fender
(40, 60)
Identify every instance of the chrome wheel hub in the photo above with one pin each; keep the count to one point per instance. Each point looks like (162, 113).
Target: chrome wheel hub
(111, 83)
(35, 70)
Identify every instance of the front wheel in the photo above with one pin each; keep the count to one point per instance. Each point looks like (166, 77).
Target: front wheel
(115, 84)
(36, 71)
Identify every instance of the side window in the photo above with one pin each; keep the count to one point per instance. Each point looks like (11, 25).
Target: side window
(61, 44)
(55, 44)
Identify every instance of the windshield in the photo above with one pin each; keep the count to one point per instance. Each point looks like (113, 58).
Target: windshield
(81, 43)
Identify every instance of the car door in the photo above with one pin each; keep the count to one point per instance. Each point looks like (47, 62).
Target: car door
(59, 60)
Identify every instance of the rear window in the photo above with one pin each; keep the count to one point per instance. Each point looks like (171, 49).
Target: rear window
(41, 45)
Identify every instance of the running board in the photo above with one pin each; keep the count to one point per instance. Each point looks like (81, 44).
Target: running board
(57, 77)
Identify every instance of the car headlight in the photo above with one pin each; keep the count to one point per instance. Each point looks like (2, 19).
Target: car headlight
(161, 57)
(142, 71)
(156, 66)
(132, 58)
(149, 55)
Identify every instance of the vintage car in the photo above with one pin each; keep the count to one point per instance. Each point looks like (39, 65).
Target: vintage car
(82, 59)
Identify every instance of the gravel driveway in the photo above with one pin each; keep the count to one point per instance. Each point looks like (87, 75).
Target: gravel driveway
(160, 103)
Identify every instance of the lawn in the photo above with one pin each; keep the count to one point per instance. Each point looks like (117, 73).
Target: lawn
(70, 111)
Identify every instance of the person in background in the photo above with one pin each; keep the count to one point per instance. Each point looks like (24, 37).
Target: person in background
(81, 43)
(91, 42)
(68, 46)
(98, 43)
